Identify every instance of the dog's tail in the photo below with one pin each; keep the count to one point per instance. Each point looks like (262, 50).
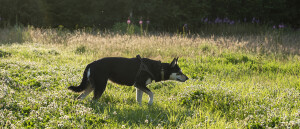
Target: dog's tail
(84, 83)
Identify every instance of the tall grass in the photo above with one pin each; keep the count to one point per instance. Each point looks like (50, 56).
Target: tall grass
(238, 80)
(246, 38)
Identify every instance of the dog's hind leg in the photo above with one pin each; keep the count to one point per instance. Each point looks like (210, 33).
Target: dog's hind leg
(86, 92)
(99, 86)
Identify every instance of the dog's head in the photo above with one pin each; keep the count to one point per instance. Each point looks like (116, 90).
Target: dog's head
(175, 72)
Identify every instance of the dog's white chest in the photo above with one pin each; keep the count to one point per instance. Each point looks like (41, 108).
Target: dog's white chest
(173, 76)
(88, 73)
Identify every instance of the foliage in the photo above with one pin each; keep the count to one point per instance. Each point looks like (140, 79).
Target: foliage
(124, 28)
(163, 14)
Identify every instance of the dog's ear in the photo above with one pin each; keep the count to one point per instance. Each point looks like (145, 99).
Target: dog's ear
(174, 62)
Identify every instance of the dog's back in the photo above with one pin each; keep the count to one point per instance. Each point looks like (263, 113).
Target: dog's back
(117, 69)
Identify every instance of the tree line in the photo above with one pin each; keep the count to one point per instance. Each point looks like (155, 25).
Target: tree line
(162, 14)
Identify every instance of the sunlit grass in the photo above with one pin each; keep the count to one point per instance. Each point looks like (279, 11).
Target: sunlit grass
(236, 81)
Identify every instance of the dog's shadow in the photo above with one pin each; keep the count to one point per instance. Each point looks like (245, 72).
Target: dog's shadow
(134, 114)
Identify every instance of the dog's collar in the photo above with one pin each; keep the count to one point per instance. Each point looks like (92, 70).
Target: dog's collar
(162, 73)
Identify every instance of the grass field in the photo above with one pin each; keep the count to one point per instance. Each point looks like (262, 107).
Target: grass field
(239, 80)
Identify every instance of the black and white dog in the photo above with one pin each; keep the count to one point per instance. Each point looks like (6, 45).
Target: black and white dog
(127, 71)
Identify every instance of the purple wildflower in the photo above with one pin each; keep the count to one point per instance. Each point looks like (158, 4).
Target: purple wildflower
(226, 20)
(205, 20)
(253, 19)
(185, 26)
(128, 21)
(274, 27)
(148, 21)
(231, 22)
(257, 21)
(140, 22)
(218, 20)
(281, 26)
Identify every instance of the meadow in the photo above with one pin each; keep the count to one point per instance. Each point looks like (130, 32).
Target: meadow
(240, 77)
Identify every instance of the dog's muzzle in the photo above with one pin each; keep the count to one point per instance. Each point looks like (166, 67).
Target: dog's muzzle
(182, 78)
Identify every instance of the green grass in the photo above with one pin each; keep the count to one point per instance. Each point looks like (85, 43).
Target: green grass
(236, 81)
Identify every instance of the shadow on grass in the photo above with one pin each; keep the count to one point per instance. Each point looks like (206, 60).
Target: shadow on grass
(132, 114)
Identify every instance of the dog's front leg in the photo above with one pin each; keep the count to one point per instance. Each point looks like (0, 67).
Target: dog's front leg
(140, 88)
(149, 92)
(139, 95)
(150, 97)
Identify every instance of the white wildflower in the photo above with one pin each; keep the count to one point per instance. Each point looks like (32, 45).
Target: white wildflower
(159, 126)
(61, 125)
